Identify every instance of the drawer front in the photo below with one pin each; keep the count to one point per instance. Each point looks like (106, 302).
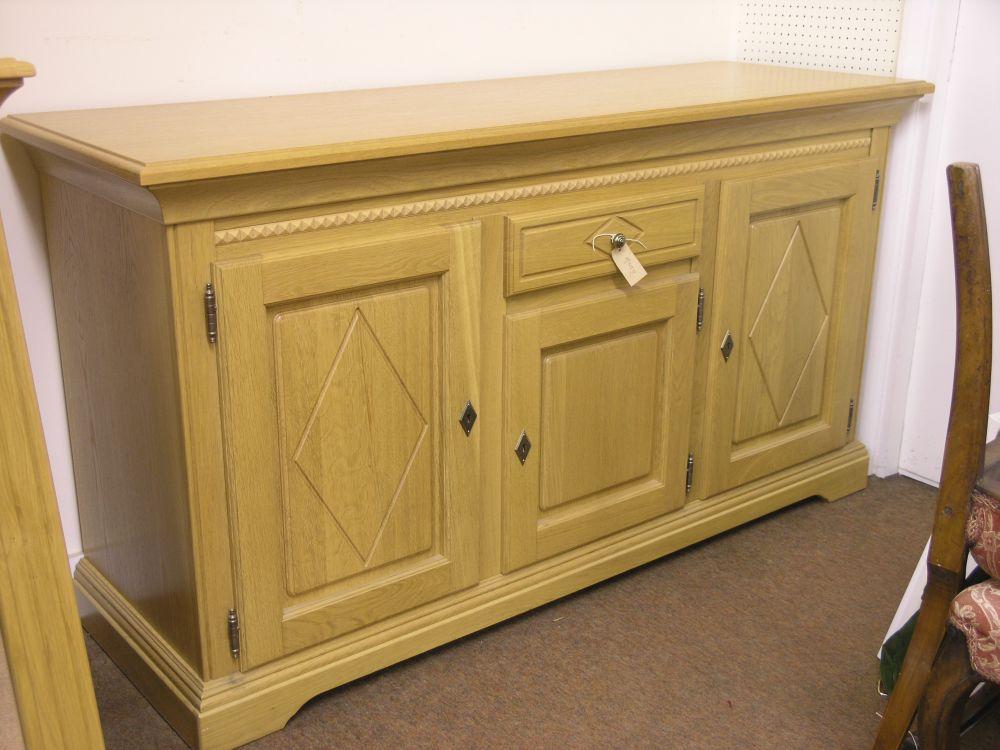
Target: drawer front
(556, 246)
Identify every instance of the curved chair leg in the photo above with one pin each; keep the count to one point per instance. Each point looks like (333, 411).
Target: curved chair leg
(951, 683)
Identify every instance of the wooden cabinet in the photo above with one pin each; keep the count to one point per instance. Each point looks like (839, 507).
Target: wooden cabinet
(794, 256)
(277, 319)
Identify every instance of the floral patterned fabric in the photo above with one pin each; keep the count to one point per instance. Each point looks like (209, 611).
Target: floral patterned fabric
(976, 612)
(982, 531)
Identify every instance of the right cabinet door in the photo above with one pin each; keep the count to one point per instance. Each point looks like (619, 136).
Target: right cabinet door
(791, 301)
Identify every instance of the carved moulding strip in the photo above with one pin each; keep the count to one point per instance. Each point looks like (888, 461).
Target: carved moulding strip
(433, 205)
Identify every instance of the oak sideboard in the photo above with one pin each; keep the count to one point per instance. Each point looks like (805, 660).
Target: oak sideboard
(352, 375)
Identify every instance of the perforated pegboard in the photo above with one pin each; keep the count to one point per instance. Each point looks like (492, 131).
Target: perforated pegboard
(853, 36)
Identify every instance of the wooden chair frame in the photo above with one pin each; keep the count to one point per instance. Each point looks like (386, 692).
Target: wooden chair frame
(943, 687)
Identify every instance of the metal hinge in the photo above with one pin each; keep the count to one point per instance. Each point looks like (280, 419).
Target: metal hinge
(233, 623)
(211, 314)
(689, 477)
(878, 180)
(850, 416)
(701, 309)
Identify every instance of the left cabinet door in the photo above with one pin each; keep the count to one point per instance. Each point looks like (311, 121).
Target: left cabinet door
(352, 485)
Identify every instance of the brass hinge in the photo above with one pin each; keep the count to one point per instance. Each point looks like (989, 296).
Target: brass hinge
(701, 309)
(878, 180)
(211, 314)
(850, 416)
(233, 623)
(689, 477)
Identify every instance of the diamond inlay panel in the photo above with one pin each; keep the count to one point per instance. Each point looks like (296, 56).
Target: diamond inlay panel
(361, 437)
(789, 323)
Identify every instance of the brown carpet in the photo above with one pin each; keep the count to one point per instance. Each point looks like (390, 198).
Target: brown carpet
(762, 638)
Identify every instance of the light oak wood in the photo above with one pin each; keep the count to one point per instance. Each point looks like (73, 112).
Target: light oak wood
(189, 254)
(602, 388)
(376, 512)
(572, 241)
(790, 250)
(310, 470)
(748, 139)
(110, 271)
(292, 193)
(159, 144)
(41, 643)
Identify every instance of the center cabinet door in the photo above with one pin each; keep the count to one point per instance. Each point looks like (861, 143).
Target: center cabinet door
(345, 369)
(601, 390)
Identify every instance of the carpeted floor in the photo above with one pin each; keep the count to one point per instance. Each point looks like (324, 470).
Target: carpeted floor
(761, 638)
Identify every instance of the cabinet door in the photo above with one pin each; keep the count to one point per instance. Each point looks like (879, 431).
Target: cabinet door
(352, 484)
(602, 390)
(791, 297)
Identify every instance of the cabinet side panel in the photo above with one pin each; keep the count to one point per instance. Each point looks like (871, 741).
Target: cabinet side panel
(110, 281)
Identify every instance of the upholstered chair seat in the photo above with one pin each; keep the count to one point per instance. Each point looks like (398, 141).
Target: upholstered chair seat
(976, 613)
(976, 610)
(982, 532)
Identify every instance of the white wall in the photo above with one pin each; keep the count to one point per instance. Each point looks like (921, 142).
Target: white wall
(925, 51)
(102, 52)
(969, 131)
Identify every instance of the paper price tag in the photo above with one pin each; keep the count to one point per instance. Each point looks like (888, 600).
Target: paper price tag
(628, 264)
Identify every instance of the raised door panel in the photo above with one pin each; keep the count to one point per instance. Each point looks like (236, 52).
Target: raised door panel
(353, 485)
(791, 282)
(356, 409)
(602, 391)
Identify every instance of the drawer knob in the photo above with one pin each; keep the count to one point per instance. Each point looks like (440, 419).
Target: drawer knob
(618, 241)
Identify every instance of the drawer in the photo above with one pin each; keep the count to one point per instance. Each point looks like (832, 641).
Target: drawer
(550, 247)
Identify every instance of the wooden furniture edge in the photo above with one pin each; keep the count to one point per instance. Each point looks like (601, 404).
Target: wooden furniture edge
(245, 200)
(223, 164)
(42, 640)
(69, 148)
(208, 168)
(12, 68)
(535, 190)
(90, 580)
(230, 710)
(150, 663)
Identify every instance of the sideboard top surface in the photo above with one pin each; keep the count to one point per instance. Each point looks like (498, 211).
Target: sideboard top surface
(168, 143)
